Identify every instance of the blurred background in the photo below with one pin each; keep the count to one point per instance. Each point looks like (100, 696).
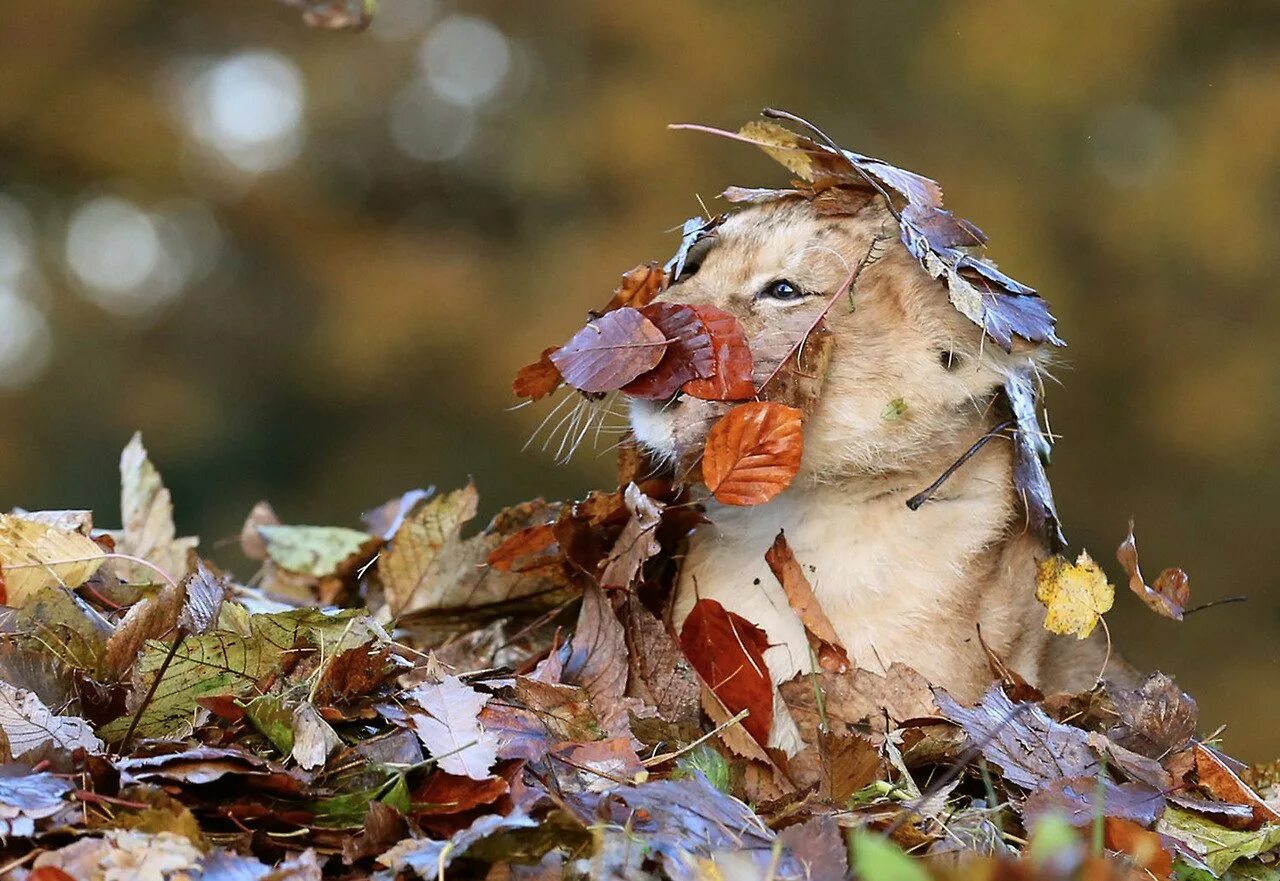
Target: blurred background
(306, 264)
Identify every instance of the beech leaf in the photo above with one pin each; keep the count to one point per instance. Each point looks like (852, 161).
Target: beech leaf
(727, 650)
(732, 376)
(539, 379)
(1168, 595)
(610, 351)
(689, 353)
(822, 635)
(752, 453)
(449, 727)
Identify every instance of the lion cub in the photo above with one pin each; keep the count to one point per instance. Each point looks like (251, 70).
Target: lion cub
(911, 387)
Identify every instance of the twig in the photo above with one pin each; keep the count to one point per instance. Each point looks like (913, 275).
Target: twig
(1212, 603)
(151, 692)
(924, 495)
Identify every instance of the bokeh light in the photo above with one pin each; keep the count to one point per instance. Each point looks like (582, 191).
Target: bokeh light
(466, 60)
(25, 341)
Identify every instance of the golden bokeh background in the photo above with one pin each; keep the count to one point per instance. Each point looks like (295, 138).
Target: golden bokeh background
(306, 263)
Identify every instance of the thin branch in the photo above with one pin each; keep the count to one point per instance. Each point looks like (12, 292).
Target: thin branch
(926, 494)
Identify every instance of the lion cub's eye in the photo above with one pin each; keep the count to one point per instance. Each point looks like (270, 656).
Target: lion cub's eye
(782, 290)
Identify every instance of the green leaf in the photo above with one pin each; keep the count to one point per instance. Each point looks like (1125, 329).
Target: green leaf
(1218, 846)
(274, 721)
(713, 765)
(59, 622)
(875, 858)
(314, 550)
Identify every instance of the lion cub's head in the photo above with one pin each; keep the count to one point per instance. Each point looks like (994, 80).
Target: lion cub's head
(910, 377)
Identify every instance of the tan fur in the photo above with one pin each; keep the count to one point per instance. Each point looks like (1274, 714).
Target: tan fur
(898, 585)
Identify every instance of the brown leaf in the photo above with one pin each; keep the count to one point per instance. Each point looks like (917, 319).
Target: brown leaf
(753, 453)
(518, 545)
(659, 672)
(539, 379)
(1075, 799)
(727, 650)
(610, 351)
(820, 845)
(1156, 719)
(598, 652)
(384, 521)
(1217, 778)
(732, 376)
(638, 288)
(840, 764)
(1168, 595)
(152, 618)
(849, 699)
(1026, 744)
(542, 715)
(252, 544)
(354, 672)
(689, 354)
(1014, 684)
(444, 793)
(800, 379)
(636, 543)
(822, 635)
(202, 601)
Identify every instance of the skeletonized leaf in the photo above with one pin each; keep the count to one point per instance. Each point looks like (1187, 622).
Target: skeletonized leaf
(1076, 595)
(753, 453)
(822, 635)
(449, 727)
(610, 351)
(1169, 593)
(29, 725)
(727, 650)
(539, 379)
(146, 509)
(732, 375)
(316, 551)
(413, 561)
(689, 354)
(34, 556)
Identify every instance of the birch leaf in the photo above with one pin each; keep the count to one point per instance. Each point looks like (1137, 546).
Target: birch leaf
(449, 727)
(1075, 594)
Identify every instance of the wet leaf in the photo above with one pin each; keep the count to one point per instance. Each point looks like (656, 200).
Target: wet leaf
(34, 556)
(1075, 594)
(753, 453)
(822, 635)
(727, 650)
(841, 702)
(1169, 593)
(610, 351)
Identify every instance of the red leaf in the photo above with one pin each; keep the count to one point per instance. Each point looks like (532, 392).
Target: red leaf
(753, 453)
(727, 650)
(639, 287)
(610, 351)
(733, 371)
(539, 379)
(689, 355)
(1170, 592)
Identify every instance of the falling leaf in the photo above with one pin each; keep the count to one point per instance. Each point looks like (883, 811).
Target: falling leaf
(1169, 593)
(822, 634)
(1030, 748)
(610, 351)
(146, 509)
(752, 453)
(638, 287)
(315, 551)
(1076, 594)
(727, 650)
(689, 354)
(413, 560)
(636, 543)
(34, 556)
(450, 729)
(29, 725)
(539, 379)
(732, 376)
(335, 15)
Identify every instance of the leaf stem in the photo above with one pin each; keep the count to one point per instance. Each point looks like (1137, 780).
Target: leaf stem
(151, 692)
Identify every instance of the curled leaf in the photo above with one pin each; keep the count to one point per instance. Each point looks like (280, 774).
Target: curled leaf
(638, 287)
(1166, 596)
(753, 453)
(1075, 594)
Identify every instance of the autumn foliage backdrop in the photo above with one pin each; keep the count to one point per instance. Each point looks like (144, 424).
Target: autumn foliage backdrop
(306, 264)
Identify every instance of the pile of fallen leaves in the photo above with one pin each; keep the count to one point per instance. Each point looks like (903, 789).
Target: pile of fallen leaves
(414, 698)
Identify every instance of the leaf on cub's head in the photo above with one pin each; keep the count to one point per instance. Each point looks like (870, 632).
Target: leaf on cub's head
(539, 379)
(732, 375)
(610, 351)
(753, 453)
(1167, 595)
(727, 650)
(1075, 594)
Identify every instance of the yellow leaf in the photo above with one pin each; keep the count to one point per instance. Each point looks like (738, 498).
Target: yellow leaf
(35, 555)
(1076, 594)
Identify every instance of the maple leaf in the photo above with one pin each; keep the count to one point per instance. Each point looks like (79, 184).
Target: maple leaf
(449, 727)
(1075, 594)
(822, 635)
(727, 650)
(752, 453)
(35, 555)
(610, 351)
(146, 509)
(1168, 595)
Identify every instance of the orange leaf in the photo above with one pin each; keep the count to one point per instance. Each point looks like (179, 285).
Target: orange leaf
(639, 287)
(532, 540)
(733, 377)
(1143, 846)
(1225, 785)
(539, 379)
(727, 650)
(753, 453)
(822, 635)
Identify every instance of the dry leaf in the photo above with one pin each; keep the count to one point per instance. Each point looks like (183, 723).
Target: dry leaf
(610, 351)
(689, 354)
(727, 650)
(539, 379)
(732, 375)
(822, 635)
(146, 509)
(638, 287)
(449, 727)
(412, 562)
(636, 543)
(34, 556)
(1075, 594)
(753, 453)
(1169, 593)
(29, 725)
